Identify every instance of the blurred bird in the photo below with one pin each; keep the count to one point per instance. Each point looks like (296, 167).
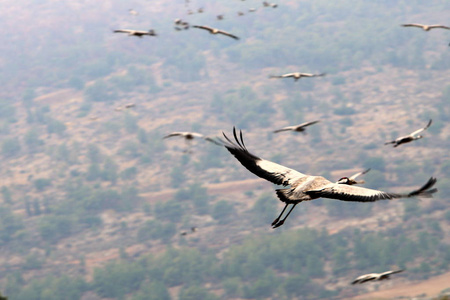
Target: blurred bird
(133, 12)
(351, 180)
(409, 138)
(219, 17)
(137, 33)
(240, 13)
(375, 276)
(216, 31)
(297, 128)
(306, 187)
(297, 75)
(426, 27)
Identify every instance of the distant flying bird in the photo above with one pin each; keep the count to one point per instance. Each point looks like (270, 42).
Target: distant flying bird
(216, 31)
(252, 9)
(409, 138)
(240, 13)
(297, 128)
(426, 27)
(138, 33)
(352, 179)
(219, 17)
(133, 12)
(180, 25)
(274, 5)
(306, 187)
(375, 276)
(266, 4)
(186, 135)
(193, 229)
(200, 10)
(297, 75)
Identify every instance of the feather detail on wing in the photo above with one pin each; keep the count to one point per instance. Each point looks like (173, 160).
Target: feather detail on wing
(358, 194)
(268, 170)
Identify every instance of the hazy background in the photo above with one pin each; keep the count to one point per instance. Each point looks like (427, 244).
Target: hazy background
(93, 200)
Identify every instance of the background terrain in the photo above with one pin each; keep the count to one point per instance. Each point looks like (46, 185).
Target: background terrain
(93, 200)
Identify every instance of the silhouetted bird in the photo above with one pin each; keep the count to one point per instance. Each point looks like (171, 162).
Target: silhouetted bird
(375, 276)
(426, 27)
(133, 12)
(297, 128)
(297, 75)
(216, 31)
(138, 33)
(409, 138)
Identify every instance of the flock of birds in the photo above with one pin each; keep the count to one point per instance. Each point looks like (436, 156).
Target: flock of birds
(299, 187)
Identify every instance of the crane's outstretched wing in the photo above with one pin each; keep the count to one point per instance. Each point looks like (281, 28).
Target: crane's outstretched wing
(285, 129)
(268, 170)
(210, 29)
(359, 194)
(439, 26)
(124, 30)
(413, 25)
(228, 34)
(422, 129)
(386, 274)
(359, 174)
(312, 75)
(308, 123)
(364, 278)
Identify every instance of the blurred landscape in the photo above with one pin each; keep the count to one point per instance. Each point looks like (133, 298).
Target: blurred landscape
(93, 200)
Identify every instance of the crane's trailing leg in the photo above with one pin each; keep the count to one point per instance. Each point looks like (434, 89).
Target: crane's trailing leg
(281, 222)
(278, 218)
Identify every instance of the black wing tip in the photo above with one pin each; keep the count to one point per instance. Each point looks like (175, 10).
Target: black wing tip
(425, 190)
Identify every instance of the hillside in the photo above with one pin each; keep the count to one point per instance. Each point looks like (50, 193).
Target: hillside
(94, 199)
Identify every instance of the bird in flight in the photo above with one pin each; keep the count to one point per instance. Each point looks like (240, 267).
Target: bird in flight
(307, 187)
(133, 12)
(375, 276)
(297, 75)
(410, 137)
(352, 179)
(138, 33)
(426, 27)
(216, 31)
(297, 128)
